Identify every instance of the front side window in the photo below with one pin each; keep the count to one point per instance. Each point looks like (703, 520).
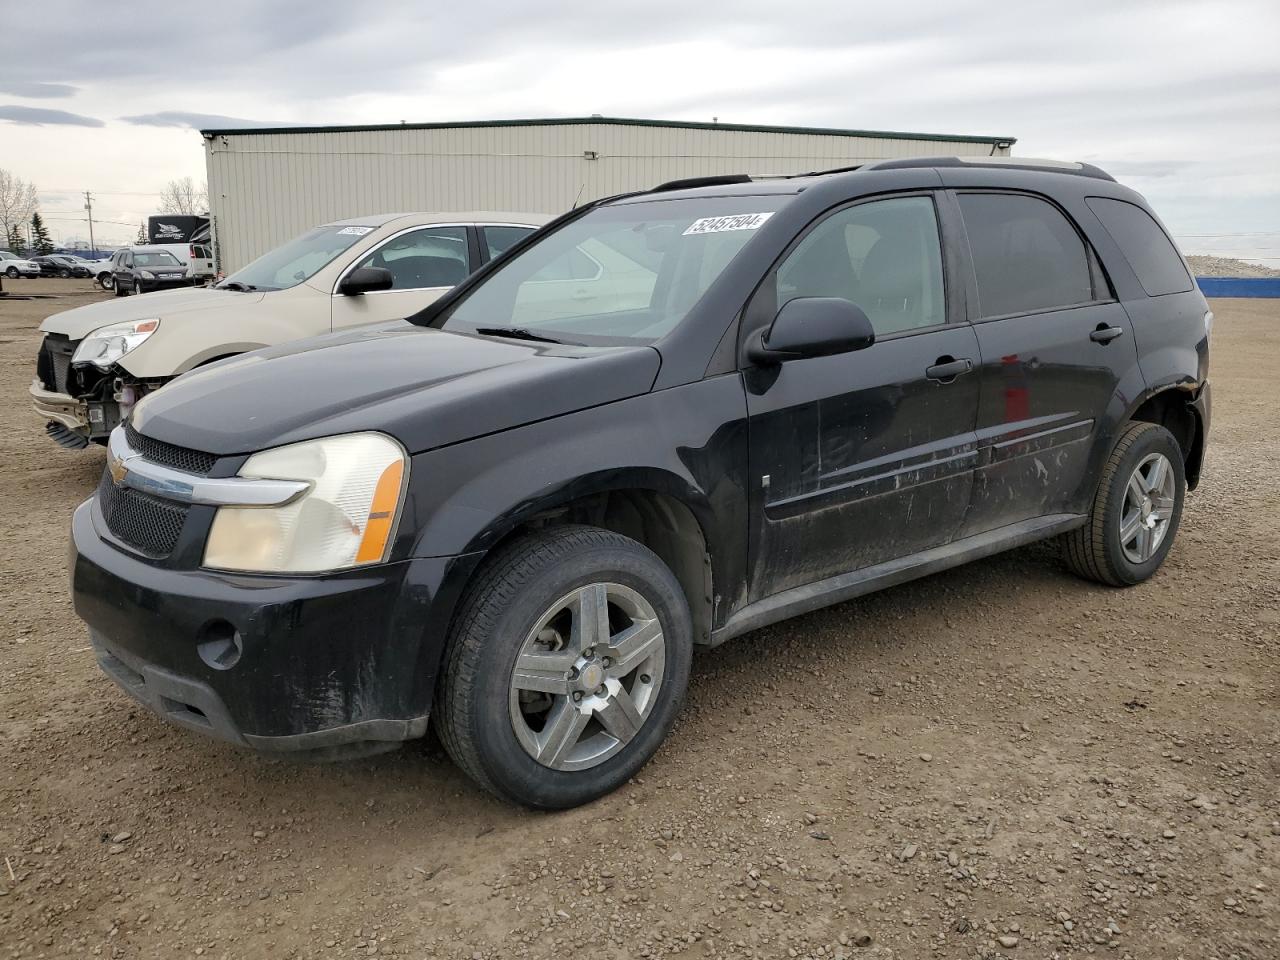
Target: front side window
(1144, 244)
(298, 260)
(1027, 258)
(884, 256)
(622, 273)
(430, 257)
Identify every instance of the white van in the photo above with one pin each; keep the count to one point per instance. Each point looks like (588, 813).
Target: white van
(196, 257)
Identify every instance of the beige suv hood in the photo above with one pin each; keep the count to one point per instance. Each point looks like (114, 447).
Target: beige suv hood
(78, 323)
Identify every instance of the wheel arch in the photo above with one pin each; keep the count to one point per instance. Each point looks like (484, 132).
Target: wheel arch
(651, 506)
(1173, 407)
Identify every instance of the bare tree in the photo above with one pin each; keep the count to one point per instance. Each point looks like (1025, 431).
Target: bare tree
(183, 196)
(17, 202)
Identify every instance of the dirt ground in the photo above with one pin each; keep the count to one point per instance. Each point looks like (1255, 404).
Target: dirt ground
(1000, 760)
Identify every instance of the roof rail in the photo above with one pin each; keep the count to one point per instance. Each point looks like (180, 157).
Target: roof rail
(1021, 163)
(720, 180)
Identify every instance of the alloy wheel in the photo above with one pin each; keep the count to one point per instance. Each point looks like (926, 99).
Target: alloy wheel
(1149, 499)
(587, 676)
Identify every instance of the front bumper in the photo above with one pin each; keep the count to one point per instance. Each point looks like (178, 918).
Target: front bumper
(333, 666)
(60, 408)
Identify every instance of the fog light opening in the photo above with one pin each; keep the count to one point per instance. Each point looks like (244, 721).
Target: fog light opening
(220, 645)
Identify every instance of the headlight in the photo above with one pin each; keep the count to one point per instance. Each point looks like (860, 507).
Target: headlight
(106, 345)
(346, 519)
(146, 274)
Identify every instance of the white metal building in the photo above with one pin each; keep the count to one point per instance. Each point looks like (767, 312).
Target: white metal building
(267, 185)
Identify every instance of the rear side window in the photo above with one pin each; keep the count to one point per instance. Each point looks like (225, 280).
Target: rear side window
(1027, 257)
(1144, 244)
(500, 238)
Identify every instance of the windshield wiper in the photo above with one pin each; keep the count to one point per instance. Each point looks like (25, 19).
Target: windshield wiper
(515, 333)
(236, 285)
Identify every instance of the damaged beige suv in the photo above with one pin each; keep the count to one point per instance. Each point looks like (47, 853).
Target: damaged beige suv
(97, 361)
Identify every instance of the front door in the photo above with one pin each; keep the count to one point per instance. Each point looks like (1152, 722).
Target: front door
(424, 263)
(1055, 346)
(863, 457)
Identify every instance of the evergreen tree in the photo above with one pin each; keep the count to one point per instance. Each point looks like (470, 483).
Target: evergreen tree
(17, 244)
(40, 239)
(142, 237)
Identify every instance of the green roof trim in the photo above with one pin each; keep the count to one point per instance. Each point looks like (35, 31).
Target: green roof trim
(625, 122)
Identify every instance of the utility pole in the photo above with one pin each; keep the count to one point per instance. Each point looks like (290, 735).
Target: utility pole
(88, 205)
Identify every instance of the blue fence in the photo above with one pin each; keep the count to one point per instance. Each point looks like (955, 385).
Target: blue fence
(1239, 286)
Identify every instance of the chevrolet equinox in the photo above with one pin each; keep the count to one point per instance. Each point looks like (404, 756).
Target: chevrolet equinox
(661, 421)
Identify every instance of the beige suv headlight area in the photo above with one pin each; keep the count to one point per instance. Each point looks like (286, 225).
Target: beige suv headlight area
(347, 518)
(106, 345)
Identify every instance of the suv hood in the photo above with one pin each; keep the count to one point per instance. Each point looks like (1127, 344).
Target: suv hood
(80, 322)
(425, 387)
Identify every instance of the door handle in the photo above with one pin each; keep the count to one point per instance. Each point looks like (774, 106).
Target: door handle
(1105, 334)
(947, 369)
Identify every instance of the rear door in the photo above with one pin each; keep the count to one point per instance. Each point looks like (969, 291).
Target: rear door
(123, 270)
(864, 457)
(1055, 345)
(424, 262)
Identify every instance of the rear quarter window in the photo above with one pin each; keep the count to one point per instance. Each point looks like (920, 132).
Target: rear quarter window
(1145, 245)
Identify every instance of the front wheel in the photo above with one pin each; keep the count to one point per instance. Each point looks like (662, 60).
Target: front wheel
(565, 668)
(64, 274)
(1136, 511)
(137, 288)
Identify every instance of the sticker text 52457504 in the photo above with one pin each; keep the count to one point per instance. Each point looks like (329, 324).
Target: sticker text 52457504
(741, 221)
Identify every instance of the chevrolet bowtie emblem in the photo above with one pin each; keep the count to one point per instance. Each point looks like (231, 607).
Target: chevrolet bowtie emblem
(118, 467)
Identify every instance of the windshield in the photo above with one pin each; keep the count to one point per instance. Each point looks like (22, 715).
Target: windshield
(298, 260)
(623, 273)
(158, 258)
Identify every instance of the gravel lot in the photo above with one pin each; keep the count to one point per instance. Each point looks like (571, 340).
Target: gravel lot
(1000, 760)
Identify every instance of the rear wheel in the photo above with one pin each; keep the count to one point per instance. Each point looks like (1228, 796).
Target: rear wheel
(12, 273)
(566, 667)
(120, 289)
(64, 274)
(1136, 511)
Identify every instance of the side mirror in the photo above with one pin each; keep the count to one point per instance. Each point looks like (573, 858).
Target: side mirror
(813, 327)
(366, 280)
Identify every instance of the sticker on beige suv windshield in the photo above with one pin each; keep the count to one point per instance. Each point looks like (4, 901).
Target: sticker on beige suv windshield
(355, 231)
(742, 221)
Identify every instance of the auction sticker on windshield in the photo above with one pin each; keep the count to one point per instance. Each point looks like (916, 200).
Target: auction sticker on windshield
(355, 231)
(742, 221)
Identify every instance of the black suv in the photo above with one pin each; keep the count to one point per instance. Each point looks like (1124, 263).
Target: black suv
(144, 269)
(663, 420)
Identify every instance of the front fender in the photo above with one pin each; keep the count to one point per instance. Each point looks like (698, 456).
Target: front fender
(688, 442)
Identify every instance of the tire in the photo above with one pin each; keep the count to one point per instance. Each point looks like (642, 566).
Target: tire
(121, 291)
(12, 273)
(65, 274)
(488, 726)
(137, 288)
(1095, 551)
(107, 282)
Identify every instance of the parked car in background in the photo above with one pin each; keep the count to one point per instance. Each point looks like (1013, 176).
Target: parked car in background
(100, 270)
(142, 269)
(98, 360)
(196, 257)
(60, 265)
(14, 266)
(517, 519)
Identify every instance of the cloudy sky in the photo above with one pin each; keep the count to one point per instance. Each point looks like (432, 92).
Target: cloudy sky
(1179, 99)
